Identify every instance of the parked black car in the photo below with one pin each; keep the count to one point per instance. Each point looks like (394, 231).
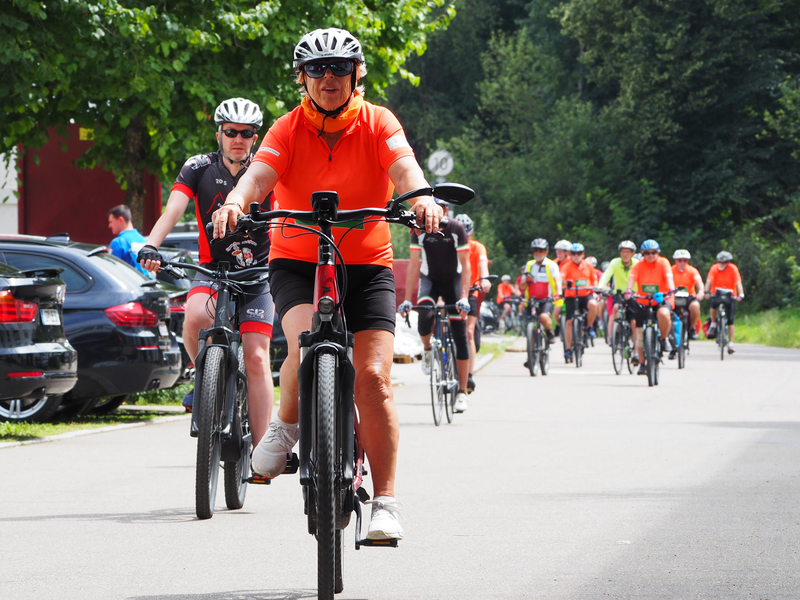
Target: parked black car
(188, 241)
(37, 363)
(115, 317)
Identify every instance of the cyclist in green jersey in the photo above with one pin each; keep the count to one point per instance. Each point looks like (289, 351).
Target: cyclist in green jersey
(619, 270)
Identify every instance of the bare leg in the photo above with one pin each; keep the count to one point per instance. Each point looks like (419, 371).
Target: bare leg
(197, 308)
(294, 322)
(260, 392)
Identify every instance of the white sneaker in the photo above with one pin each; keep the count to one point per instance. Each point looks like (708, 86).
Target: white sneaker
(461, 403)
(426, 362)
(730, 348)
(385, 523)
(270, 456)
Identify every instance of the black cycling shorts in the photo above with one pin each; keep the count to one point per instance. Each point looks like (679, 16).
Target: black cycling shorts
(569, 305)
(542, 308)
(430, 290)
(370, 302)
(729, 307)
(640, 311)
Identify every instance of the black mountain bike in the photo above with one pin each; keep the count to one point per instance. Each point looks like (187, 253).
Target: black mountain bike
(331, 458)
(724, 297)
(679, 335)
(538, 345)
(220, 415)
(621, 338)
(580, 336)
(444, 376)
(652, 347)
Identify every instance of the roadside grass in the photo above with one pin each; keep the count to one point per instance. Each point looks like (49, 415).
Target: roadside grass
(496, 348)
(772, 328)
(150, 403)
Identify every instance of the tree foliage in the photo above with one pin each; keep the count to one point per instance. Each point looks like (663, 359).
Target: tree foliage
(148, 76)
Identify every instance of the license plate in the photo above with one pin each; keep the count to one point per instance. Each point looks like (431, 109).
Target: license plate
(50, 316)
(163, 329)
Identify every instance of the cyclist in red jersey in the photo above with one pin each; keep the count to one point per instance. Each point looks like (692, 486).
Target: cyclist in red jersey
(336, 140)
(652, 274)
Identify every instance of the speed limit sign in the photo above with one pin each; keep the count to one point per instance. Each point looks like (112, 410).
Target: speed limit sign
(440, 163)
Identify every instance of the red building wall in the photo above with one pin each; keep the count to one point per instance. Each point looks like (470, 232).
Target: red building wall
(58, 197)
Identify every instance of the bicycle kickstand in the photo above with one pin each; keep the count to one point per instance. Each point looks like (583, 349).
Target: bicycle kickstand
(362, 497)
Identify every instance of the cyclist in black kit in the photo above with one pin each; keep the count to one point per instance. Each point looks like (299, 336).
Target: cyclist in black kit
(208, 178)
(441, 261)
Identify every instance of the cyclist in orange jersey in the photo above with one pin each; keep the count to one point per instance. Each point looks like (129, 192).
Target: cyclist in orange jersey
(580, 296)
(724, 275)
(685, 275)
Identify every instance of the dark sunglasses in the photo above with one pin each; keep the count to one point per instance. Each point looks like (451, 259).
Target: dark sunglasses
(245, 133)
(573, 253)
(649, 253)
(339, 68)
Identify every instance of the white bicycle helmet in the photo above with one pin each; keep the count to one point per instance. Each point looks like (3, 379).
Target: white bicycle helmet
(681, 254)
(627, 244)
(239, 110)
(563, 245)
(469, 226)
(592, 261)
(724, 256)
(326, 44)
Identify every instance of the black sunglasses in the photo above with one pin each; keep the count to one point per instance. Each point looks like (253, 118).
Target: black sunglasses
(649, 252)
(339, 68)
(245, 133)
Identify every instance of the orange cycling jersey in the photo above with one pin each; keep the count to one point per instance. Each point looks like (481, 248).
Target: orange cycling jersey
(581, 276)
(504, 292)
(651, 277)
(477, 251)
(727, 278)
(686, 279)
(356, 169)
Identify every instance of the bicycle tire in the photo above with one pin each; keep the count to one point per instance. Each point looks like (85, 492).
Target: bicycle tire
(682, 343)
(437, 387)
(339, 580)
(533, 363)
(544, 358)
(577, 342)
(209, 444)
(451, 373)
(237, 472)
(617, 348)
(650, 355)
(324, 453)
(722, 336)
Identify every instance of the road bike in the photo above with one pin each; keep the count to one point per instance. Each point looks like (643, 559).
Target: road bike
(538, 344)
(724, 297)
(679, 334)
(442, 354)
(652, 347)
(331, 458)
(621, 338)
(220, 419)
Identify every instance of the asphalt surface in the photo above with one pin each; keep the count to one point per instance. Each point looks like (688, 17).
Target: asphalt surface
(581, 484)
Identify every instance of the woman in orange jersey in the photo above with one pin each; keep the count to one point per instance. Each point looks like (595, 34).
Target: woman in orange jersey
(685, 275)
(335, 140)
(653, 274)
(578, 282)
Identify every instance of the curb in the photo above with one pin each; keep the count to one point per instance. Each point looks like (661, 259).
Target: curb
(483, 361)
(82, 432)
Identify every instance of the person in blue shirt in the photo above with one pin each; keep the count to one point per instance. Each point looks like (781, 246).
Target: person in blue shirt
(128, 240)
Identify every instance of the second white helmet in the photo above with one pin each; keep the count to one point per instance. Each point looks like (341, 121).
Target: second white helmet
(239, 110)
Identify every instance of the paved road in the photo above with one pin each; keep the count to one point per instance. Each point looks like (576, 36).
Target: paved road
(579, 485)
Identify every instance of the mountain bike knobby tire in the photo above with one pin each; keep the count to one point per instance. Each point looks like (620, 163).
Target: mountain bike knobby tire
(324, 452)
(577, 342)
(209, 444)
(237, 472)
(451, 373)
(650, 355)
(438, 395)
(617, 348)
(722, 336)
(533, 359)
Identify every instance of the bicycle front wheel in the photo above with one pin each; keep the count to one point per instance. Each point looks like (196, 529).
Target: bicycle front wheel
(209, 444)
(451, 374)
(544, 355)
(324, 455)
(650, 355)
(722, 336)
(683, 343)
(617, 348)
(577, 342)
(530, 336)
(237, 472)
(438, 377)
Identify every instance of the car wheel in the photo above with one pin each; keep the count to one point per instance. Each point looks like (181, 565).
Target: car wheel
(40, 410)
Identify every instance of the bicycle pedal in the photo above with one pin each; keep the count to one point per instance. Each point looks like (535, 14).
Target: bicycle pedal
(363, 495)
(390, 543)
(292, 465)
(257, 479)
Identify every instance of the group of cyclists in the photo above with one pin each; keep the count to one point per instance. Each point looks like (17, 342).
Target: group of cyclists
(572, 282)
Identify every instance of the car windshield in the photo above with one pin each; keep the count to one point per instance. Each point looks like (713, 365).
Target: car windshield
(121, 271)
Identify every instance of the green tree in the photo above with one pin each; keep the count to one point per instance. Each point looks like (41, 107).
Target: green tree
(147, 77)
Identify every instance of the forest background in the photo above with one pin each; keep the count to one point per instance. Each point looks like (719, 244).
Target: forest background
(590, 120)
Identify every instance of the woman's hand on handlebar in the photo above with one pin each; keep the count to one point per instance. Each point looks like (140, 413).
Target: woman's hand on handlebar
(225, 217)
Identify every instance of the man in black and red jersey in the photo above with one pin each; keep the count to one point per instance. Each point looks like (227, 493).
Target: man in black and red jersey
(208, 179)
(441, 261)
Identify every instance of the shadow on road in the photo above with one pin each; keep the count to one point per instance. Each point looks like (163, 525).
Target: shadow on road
(167, 515)
(238, 595)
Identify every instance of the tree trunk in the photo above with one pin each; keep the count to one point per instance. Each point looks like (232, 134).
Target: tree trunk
(134, 171)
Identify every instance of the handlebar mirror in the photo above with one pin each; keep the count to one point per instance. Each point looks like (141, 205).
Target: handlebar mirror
(454, 193)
